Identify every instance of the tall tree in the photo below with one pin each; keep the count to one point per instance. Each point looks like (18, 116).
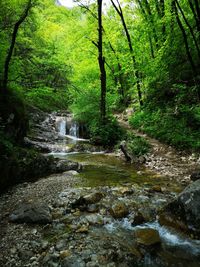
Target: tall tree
(121, 15)
(17, 25)
(190, 28)
(101, 60)
(185, 38)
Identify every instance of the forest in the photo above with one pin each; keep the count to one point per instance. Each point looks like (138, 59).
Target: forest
(126, 75)
(97, 60)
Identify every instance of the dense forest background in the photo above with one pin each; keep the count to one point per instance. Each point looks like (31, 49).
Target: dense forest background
(96, 61)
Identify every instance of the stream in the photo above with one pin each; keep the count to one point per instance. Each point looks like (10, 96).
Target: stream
(109, 173)
(104, 215)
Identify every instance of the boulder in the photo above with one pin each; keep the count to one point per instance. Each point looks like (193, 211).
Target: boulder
(83, 201)
(31, 213)
(93, 198)
(184, 212)
(147, 237)
(119, 210)
(62, 165)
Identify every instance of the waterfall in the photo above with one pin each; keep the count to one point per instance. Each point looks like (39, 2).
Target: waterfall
(74, 130)
(61, 125)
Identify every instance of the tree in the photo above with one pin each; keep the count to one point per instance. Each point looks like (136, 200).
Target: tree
(101, 60)
(17, 25)
(121, 15)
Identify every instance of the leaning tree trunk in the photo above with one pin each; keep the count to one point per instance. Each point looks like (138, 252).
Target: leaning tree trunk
(12, 45)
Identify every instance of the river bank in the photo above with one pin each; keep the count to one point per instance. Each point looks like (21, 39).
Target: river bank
(90, 219)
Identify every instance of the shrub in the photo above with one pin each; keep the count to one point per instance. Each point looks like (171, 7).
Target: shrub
(177, 129)
(137, 145)
(107, 134)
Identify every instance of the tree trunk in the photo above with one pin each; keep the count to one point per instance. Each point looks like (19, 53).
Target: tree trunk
(190, 28)
(146, 18)
(195, 15)
(101, 61)
(196, 2)
(12, 45)
(120, 13)
(184, 38)
(150, 16)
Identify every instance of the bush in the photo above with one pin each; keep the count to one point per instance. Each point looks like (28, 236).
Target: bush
(107, 134)
(176, 128)
(137, 145)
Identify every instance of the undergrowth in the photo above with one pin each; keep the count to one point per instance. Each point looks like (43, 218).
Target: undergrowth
(179, 128)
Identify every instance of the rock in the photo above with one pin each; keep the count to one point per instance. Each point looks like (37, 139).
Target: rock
(61, 245)
(64, 165)
(94, 219)
(184, 212)
(83, 201)
(93, 208)
(195, 175)
(126, 190)
(64, 254)
(138, 219)
(156, 188)
(119, 210)
(141, 160)
(32, 213)
(83, 229)
(124, 149)
(93, 198)
(41, 147)
(147, 237)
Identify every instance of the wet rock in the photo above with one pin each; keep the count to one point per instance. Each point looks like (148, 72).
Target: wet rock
(93, 208)
(184, 212)
(147, 237)
(83, 201)
(41, 147)
(32, 213)
(119, 210)
(138, 218)
(94, 219)
(195, 175)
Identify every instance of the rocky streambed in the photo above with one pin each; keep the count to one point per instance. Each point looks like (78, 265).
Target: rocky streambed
(105, 215)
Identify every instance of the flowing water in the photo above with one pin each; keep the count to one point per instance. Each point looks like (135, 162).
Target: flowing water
(100, 170)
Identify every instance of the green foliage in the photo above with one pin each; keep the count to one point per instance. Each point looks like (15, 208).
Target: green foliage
(48, 99)
(55, 65)
(86, 105)
(137, 145)
(106, 134)
(178, 130)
